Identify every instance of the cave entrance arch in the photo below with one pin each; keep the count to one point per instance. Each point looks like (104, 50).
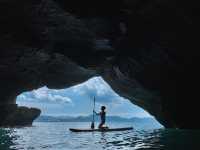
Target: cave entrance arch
(78, 101)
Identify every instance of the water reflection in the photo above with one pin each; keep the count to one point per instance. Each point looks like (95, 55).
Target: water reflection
(56, 136)
(6, 139)
(162, 139)
(103, 140)
(131, 140)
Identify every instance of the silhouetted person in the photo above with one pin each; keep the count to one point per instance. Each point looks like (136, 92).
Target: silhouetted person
(102, 115)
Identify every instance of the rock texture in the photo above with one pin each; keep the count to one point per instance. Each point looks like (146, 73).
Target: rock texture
(12, 115)
(146, 50)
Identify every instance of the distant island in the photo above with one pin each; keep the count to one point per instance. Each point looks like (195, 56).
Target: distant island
(89, 118)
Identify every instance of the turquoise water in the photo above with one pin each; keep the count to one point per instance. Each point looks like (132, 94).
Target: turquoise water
(56, 136)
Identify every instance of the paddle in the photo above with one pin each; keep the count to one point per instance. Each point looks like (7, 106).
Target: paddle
(92, 124)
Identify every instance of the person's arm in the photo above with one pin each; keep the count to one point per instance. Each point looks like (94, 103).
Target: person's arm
(96, 112)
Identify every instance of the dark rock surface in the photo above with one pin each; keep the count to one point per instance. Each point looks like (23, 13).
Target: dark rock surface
(12, 115)
(146, 50)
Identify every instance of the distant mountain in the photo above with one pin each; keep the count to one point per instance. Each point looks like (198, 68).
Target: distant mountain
(89, 118)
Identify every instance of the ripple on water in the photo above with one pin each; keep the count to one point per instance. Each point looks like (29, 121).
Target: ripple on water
(55, 136)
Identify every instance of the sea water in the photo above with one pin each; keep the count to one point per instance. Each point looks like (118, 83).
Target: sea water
(56, 136)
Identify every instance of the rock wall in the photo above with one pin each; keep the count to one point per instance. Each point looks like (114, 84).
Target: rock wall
(12, 115)
(146, 50)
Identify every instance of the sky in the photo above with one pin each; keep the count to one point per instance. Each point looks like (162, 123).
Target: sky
(78, 100)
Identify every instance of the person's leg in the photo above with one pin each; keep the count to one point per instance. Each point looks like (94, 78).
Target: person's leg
(101, 124)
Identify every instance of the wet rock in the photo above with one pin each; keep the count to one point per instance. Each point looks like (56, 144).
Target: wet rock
(12, 115)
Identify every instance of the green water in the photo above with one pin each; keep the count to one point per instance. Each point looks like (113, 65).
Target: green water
(56, 136)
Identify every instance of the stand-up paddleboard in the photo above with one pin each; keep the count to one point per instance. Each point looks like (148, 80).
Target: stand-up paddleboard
(101, 130)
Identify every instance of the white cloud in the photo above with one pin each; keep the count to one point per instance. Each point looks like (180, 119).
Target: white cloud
(44, 95)
(59, 99)
(22, 97)
(25, 97)
(80, 97)
(41, 93)
(99, 88)
(93, 87)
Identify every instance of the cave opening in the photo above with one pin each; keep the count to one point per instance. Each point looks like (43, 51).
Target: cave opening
(77, 101)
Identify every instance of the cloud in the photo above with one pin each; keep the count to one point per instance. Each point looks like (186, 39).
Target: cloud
(93, 87)
(25, 97)
(99, 88)
(44, 95)
(78, 100)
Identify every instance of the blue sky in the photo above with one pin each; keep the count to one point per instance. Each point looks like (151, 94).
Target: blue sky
(78, 100)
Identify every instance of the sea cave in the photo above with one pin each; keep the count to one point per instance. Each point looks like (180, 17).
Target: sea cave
(146, 51)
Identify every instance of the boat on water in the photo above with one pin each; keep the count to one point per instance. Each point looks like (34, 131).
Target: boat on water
(100, 130)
